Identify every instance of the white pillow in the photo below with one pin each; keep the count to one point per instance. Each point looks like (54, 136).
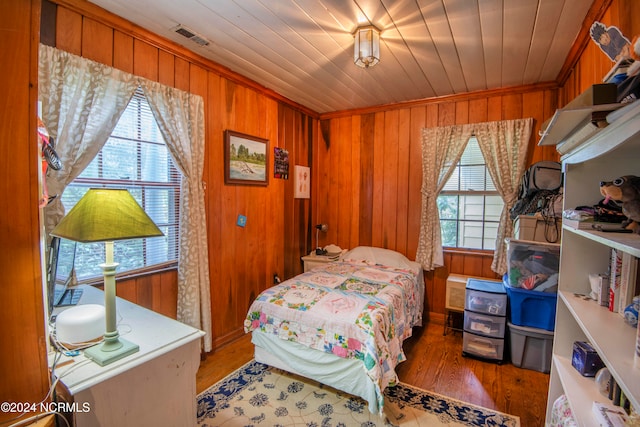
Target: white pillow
(380, 256)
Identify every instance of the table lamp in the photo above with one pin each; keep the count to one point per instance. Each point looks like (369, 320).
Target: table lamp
(323, 228)
(106, 215)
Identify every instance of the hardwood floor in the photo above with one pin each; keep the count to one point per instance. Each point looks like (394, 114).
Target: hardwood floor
(434, 362)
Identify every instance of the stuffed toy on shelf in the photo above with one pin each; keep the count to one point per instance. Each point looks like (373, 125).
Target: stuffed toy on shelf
(625, 190)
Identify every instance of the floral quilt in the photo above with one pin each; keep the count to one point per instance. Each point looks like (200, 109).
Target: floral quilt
(350, 309)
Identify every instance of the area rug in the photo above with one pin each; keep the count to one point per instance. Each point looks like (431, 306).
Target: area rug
(259, 395)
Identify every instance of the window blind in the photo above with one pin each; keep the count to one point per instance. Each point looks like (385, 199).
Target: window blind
(469, 205)
(136, 158)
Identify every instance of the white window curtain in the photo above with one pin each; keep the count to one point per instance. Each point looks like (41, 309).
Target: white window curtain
(442, 148)
(504, 146)
(82, 101)
(180, 117)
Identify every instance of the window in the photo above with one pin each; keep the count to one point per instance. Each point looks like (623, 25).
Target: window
(136, 158)
(469, 204)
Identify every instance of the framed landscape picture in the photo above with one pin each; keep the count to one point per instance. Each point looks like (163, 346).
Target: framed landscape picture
(246, 159)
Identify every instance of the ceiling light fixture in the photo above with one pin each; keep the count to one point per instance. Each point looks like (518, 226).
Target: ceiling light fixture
(366, 49)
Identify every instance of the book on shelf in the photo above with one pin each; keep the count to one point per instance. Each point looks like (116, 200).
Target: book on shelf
(581, 224)
(599, 288)
(617, 394)
(591, 224)
(612, 386)
(615, 273)
(636, 356)
(628, 279)
(625, 403)
(609, 415)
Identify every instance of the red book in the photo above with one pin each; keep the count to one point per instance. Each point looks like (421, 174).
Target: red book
(614, 277)
(612, 297)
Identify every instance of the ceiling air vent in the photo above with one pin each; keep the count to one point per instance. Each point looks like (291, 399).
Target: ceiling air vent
(185, 32)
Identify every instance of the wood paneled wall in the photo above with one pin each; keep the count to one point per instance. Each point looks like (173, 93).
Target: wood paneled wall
(242, 260)
(367, 172)
(157, 291)
(23, 363)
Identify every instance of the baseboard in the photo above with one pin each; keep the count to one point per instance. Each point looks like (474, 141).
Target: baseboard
(225, 339)
(437, 318)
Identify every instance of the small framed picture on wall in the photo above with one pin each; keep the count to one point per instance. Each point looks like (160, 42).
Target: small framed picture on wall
(246, 159)
(280, 163)
(302, 182)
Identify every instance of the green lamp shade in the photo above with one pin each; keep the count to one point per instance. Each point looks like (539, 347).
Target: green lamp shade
(106, 214)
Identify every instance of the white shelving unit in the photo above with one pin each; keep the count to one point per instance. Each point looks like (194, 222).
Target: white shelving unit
(608, 154)
(573, 122)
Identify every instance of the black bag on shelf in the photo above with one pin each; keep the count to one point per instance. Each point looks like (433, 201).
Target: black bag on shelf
(539, 189)
(543, 175)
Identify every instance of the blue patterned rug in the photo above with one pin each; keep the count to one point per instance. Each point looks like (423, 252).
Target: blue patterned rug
(258, 395)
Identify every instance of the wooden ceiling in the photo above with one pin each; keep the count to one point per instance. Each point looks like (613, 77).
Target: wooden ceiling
(303, 49)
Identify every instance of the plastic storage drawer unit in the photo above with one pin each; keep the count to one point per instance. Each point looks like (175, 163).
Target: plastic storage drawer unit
(483, 324)
(484, 296)
(481, 346)
(484, 319)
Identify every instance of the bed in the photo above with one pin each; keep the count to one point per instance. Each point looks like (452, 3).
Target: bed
(343, 323)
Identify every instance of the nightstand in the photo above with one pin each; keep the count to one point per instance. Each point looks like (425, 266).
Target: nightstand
(312, 260)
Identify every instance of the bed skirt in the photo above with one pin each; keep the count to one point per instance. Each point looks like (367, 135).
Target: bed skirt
(348, 375)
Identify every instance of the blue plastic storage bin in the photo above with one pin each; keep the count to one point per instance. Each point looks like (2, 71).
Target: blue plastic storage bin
(531, 308)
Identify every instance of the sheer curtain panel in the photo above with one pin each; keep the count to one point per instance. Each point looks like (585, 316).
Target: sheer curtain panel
(82, 101)
(180, 117)
(504, 146)
(442, 148)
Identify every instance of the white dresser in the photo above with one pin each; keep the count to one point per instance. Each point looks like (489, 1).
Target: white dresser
(154, 387)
